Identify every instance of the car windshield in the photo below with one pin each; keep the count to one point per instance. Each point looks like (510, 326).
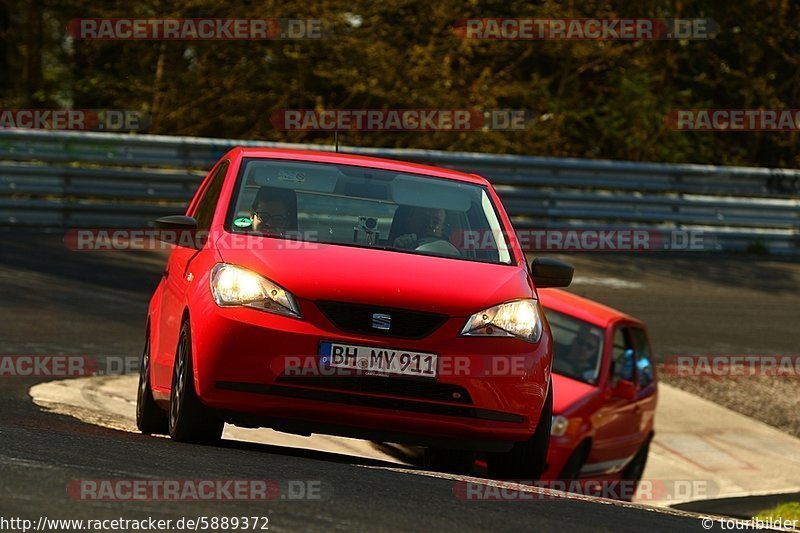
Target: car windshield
(577, 347)
(367, 207)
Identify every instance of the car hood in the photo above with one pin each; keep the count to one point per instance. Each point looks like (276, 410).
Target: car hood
(568, 393)
(317, 271)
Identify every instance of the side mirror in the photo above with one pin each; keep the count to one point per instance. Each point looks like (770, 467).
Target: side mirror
(625, 389)
(548, 272)
(179, 230)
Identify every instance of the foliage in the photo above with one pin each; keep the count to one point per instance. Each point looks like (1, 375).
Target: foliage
(598, 99)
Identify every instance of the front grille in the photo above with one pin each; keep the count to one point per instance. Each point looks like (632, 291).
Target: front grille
(404, 387)
(357, 318)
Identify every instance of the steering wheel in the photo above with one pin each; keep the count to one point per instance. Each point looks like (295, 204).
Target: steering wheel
(436, 245)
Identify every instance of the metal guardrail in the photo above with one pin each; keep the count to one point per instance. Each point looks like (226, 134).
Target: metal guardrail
(70, 180)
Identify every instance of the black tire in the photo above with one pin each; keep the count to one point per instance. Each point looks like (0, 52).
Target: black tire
(189, 419)
(527, 460)
(633, 471)
(150, 418)
(572, 468)
(451, 461)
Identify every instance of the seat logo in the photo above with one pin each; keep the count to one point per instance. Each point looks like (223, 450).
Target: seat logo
(381, 321)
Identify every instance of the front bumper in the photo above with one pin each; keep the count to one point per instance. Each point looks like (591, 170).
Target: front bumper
(258, 368)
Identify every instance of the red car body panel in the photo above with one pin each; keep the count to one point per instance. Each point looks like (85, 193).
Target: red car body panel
(239, 353)
(343, 277)
(615, 427)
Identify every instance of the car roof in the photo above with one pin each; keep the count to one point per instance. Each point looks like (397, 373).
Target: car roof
(583, 308)
(320, 156)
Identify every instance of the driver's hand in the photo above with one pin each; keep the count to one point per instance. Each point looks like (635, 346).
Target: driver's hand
(405, 241)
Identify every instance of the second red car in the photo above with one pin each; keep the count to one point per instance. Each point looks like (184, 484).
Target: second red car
(605, 390)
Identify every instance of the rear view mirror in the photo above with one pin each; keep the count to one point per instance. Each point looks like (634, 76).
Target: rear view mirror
(625, 389)
(548, 272)
(179, 230)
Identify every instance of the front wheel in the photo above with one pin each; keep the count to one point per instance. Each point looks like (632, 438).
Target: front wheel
(189, 419)
(634, 470)
(150, 418)
(527, 460)
(573, 466)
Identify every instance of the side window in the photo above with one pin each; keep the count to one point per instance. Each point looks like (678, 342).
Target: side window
(644, 360)
(621, 368)
(204, 211)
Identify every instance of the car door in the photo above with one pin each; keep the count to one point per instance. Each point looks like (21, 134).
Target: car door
(175, 280)
(617, 423)
(645, 382)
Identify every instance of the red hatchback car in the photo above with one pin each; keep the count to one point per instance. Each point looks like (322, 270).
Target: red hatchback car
(354, 296)
(605, 390)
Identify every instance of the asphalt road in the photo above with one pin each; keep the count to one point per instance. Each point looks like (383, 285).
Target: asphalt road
(55, 301)
(699, 304)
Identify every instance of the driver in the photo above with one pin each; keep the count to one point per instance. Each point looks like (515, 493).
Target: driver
(423, 222)
(582, 358)
(271, 211)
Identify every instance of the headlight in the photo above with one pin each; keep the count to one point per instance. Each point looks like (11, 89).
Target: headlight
(232, 285)
(559, 426)
(520, 318)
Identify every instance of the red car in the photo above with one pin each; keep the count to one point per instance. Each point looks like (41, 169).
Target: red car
(354, 296)
(605, 390)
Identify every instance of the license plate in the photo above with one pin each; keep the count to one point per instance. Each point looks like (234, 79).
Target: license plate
(378, 361)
